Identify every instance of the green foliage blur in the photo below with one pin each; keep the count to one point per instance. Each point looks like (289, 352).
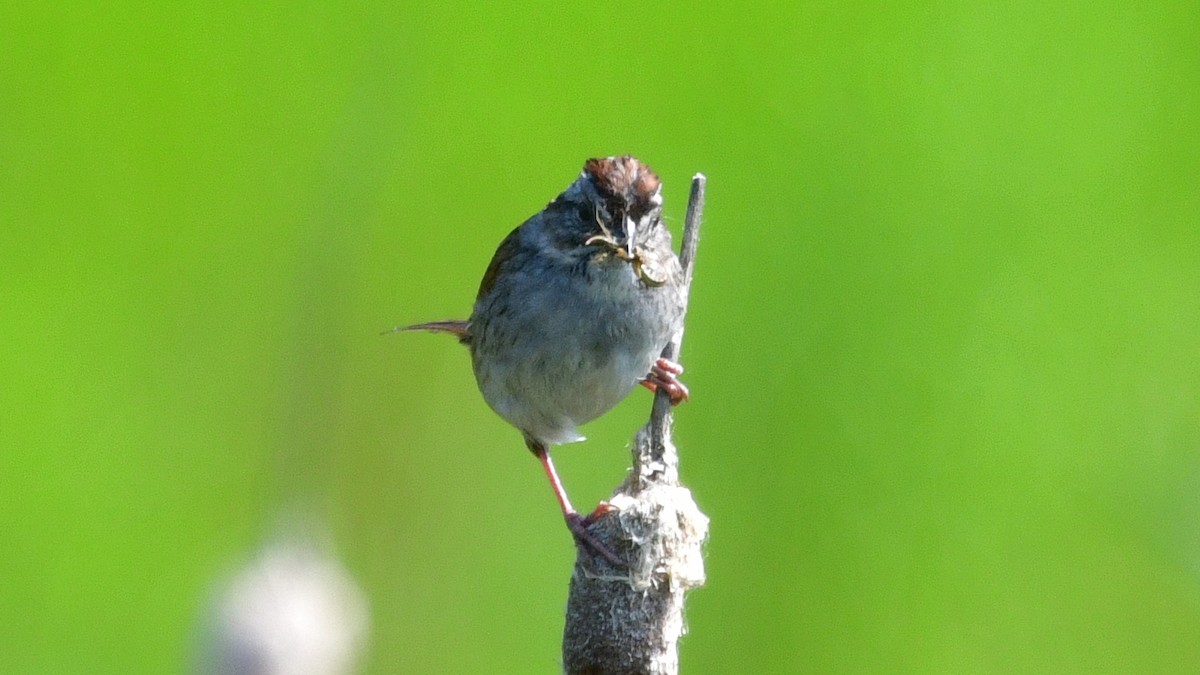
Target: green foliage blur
(943, 341)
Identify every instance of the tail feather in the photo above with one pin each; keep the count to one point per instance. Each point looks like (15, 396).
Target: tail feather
(451, 326)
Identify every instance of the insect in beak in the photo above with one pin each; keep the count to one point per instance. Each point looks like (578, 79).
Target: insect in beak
(628, 252)
(639, 268)
(606, 238)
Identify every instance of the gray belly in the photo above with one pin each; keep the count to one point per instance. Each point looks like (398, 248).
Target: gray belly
(562, 359)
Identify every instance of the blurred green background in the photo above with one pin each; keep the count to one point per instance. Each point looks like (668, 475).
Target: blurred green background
(943, 341)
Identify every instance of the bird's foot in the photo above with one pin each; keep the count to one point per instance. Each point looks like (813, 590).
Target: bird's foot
(664, 375)
(579, 529)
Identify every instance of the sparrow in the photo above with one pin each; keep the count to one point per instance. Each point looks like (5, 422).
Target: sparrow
(573, 313)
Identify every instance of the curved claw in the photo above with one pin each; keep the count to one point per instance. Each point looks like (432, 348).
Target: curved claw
(663, 375)
(579, 528)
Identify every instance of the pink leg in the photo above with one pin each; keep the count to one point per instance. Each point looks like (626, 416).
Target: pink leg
(663, 374)
(575, 522)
